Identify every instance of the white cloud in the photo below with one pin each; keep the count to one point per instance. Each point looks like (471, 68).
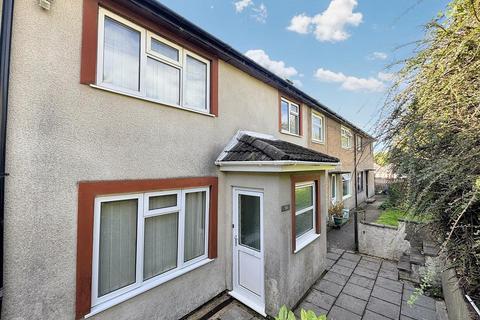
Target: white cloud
(378, 56)
(330, 25)
(277, 67)
(297, 83)
(260, 13)
(350, 83)
(385, 76)
(242, 4)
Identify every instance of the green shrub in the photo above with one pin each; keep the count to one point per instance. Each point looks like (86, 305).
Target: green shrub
(285, 314)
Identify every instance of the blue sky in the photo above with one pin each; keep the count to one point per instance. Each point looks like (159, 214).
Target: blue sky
(335, 50)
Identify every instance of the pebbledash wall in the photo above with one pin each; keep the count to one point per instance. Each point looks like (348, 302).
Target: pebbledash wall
(61, 132)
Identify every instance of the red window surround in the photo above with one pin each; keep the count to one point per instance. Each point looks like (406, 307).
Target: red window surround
(87, 191)
(127, 11)
(305, 178)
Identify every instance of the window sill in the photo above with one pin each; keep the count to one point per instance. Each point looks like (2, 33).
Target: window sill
(302, 243)
(318, 141)
(135, 292)
(290, 134)
(151, 100)
(347, 197)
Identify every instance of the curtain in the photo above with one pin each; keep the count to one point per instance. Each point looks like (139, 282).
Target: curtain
(160, 202)
(195, 205)
(196, 83)
(118, 238)
(303, 222)
(163, 82)
(164, 49)
(121, 55)
(160, 245)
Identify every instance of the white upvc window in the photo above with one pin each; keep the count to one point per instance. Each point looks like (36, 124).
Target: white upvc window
(346, 185)
(346, 137)
(134, 61)
(359, 143)
(334, 188)
(360, 182)
(290, 117)
(143, 240)
(305, 213)
(318, 128)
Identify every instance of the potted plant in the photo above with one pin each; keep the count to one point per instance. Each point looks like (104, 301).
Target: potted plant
(336, 211)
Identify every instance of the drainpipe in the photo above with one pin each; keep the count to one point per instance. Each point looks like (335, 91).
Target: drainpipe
(355, 216)
(5, 46)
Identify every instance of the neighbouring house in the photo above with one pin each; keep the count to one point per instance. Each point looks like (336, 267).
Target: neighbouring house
(148, 166)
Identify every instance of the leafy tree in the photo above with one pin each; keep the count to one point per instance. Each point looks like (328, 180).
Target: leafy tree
(432, 134)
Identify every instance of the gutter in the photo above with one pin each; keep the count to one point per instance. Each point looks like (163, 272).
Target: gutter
(235, 58)
(5, 48)
(274, 163)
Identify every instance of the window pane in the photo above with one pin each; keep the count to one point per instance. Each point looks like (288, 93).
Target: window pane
(317, 128)
(121, 55)
(294, 108)
(160, 202)
(118, 245)
(196, 83)
(284, 115)
(303, 223)
(161, 245)
(163, 82)
(195, 205)
(303, 197)
(249, 216)
(164, 49)
(334, 187)
(293, 124)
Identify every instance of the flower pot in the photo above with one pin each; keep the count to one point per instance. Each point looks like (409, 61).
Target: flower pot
(338, 221)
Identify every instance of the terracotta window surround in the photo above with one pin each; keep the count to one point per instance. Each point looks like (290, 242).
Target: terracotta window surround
(90, 39)
(305, 178)
(300, 114)
(88, 191)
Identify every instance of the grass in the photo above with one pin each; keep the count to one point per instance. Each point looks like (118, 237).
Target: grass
(390, 217)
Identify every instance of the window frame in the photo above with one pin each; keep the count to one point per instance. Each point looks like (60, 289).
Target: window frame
(333, 186)
(298, 114)
(360, 186)
(346, 196)
(146, 52)
(143, 212)
(347, 133)
(302, 241)
(359, 143)
(322, 130)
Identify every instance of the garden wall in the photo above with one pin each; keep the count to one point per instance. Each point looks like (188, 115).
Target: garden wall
(382, 241)
(457, 307)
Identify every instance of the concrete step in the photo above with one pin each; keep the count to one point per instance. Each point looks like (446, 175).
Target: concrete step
(404, 264)
(441, 310)
(416, 256)
(430, 248)
(210, 308)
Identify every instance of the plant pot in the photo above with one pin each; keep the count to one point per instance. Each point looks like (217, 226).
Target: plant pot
(337, 221)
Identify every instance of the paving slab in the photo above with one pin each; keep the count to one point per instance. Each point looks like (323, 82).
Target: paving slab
(342, 270)
(351, 256)
(333, 256)
(387, 295)
(305, 305)
(420, 300)
(389, 274)
(346, 263)
(365, 273)
(356, 291)
(372, 259)
(320, 299)
(389, 265)
(393, 285)
(418, 312)
(350, 303)
(361, 281)
(234, 311)
(441, 310)
(383, 308)
(338, 313)
(336, 250)
(374, 266)
(328, 287)
(329, 263)
(369, 315)
(337, 278)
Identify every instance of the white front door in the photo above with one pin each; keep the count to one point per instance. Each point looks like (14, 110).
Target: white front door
(248, 268)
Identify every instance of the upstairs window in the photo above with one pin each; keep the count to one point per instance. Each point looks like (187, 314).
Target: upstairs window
(359, 143)
(290, 117)
(137, 62)
(318, 128)
(360, 182)
(346, 137)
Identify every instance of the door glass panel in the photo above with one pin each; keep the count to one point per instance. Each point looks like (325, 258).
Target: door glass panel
(249, 216)
(118, 245)
(304, 222)
(303, 197)
(161, 202)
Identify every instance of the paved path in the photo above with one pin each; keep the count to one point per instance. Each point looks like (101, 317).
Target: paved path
(362, 287)
(344, 238)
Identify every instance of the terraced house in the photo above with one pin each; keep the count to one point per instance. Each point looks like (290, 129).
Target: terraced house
(151, 167)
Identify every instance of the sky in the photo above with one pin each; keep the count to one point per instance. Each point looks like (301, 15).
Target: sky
(342, 52)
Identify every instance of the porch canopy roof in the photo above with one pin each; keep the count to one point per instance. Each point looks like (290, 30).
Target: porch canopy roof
(256, 152)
